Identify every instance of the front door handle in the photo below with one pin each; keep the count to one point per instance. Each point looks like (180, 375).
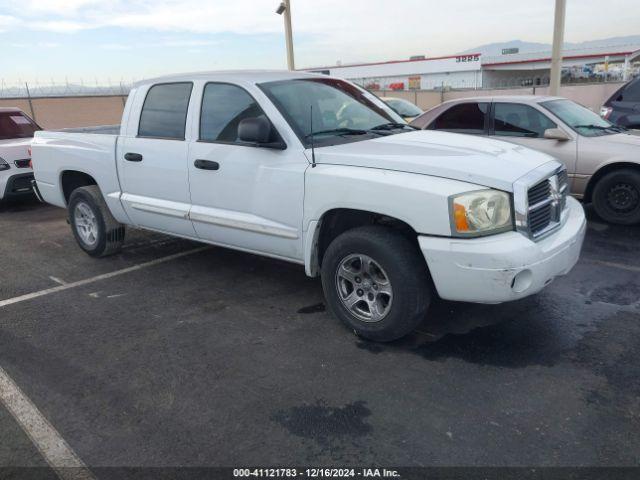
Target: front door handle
(133, 157)
(206, 165)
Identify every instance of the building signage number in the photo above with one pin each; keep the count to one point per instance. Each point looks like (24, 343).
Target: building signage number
(468, 58)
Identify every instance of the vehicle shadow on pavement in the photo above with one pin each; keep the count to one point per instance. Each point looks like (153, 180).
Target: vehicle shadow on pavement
(16, 205)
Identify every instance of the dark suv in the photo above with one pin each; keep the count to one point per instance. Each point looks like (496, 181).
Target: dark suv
(623, 108)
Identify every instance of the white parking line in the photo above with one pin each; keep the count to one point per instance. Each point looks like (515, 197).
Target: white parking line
(44, 436)
(105, 276)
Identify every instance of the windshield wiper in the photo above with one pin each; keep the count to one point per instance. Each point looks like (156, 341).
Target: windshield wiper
(393, 126)
(339, 131)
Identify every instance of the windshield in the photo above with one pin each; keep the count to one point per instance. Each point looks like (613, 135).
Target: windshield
(16, 125)
(341, 111)
(403, 107)
(581, 119)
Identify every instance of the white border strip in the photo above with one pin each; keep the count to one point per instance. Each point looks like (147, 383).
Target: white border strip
(80, 283)
(44, 436)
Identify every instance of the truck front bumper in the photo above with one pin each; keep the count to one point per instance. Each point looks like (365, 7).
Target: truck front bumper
(503, 267)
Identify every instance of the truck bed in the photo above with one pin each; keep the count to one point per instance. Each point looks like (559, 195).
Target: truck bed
(89, 151)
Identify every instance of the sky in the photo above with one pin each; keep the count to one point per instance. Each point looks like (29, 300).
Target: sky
(102, 41)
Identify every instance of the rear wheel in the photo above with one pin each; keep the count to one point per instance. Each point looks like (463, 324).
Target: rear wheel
(376, 281)
(93, 226)
(616, 197)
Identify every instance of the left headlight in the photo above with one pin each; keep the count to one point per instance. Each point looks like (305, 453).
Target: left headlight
(4, 165)
(483, 212)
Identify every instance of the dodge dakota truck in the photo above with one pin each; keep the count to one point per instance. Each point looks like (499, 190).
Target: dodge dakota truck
(16, 134)
(314, 170)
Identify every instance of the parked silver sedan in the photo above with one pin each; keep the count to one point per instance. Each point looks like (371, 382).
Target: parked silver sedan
(603, 160)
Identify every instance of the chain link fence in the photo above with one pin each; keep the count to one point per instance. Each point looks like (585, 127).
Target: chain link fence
(67, 89)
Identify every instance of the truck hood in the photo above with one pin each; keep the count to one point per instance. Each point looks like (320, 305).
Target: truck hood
(466, 158)
(15, 149)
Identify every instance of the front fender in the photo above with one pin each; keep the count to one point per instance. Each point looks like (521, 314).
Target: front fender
(421, 201)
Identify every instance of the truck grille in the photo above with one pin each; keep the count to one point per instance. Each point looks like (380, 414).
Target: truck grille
(546, 201)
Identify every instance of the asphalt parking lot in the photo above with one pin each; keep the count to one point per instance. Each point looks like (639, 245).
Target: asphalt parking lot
(209, 357)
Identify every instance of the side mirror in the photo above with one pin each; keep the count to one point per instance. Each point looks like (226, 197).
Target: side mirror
(257, 130)
(556, 134)
(254, 130)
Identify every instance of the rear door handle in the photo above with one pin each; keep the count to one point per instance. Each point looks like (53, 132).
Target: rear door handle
(133, 157)
(206, 165)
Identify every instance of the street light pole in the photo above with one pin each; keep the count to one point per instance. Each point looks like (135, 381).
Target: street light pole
(285, 7)
(556, 52)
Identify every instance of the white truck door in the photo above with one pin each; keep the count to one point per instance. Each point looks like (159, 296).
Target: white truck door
(244, 196)
(152, 160)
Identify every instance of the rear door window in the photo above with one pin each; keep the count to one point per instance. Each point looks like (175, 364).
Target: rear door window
(463, 118)
(518, 120)
(164, 113)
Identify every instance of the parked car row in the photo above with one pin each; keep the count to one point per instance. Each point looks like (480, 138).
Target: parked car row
(317, 171)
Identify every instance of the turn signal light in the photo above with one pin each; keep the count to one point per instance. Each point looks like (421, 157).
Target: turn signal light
(460, 217)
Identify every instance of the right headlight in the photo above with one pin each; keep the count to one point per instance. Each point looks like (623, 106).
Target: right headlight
(483, 212)
(4, 165)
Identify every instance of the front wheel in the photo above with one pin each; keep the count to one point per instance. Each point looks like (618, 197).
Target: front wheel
(93, 226)
(616, 197)
(376, 281)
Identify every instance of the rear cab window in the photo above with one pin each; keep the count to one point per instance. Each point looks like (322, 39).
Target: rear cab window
(15, 124)
(164, 113)
(463, 118)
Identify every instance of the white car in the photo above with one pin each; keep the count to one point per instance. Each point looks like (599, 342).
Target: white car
(602, 159)
(16, 134)
(314, 170)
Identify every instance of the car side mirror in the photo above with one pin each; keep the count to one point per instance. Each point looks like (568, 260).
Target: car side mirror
(254, 130)
(556, 134)
(257, 130)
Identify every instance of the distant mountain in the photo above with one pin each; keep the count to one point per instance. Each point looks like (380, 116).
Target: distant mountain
(492, 49)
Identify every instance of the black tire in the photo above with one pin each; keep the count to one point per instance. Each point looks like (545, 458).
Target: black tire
(616, 197)
(109, 234)
(400, 261)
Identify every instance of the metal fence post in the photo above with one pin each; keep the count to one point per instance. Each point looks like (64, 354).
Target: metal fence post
(33, 113)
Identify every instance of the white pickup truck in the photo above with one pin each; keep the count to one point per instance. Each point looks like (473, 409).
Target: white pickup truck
(315, 170)
(16, 134)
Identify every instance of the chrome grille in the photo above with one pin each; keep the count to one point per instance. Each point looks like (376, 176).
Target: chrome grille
(544, 201)
(540, 192)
